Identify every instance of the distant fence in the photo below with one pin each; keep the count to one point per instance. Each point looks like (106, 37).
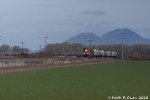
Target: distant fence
(16, 62)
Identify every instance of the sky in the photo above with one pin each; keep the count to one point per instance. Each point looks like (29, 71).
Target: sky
(29, 21)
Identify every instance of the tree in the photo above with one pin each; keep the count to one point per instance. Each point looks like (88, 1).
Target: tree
(4, 49)
(16, 50)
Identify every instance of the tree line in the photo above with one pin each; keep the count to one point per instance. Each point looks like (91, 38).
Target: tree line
(139, 51)
(12, 50)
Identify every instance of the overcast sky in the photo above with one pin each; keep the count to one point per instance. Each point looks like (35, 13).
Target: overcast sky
(31, 20)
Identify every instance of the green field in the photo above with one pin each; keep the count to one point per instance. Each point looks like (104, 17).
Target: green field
(86, 82)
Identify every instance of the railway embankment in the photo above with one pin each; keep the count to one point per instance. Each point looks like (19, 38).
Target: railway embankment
(20, 62)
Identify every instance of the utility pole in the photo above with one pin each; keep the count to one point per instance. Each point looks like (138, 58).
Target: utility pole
(122, 51)
(22, 47)
(0, 40)
(122, 47)
(90, 43)
(45, 41)
(40, 48)
(0, 45)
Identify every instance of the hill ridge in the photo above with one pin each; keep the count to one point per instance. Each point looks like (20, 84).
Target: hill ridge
(117, 36)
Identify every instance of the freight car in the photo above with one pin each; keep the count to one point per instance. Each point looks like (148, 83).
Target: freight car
(76, 54)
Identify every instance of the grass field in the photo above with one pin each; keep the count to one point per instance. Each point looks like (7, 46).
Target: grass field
(86, 82)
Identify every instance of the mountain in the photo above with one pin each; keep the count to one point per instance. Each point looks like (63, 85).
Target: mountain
(117, 36)
(126, 36)
(84, 38)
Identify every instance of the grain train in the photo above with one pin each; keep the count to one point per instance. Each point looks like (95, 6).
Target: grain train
(88, 52)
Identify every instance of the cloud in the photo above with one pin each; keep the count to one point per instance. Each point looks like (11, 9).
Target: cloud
(98, 12)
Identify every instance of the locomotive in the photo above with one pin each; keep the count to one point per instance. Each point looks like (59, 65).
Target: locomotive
(89, 52)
